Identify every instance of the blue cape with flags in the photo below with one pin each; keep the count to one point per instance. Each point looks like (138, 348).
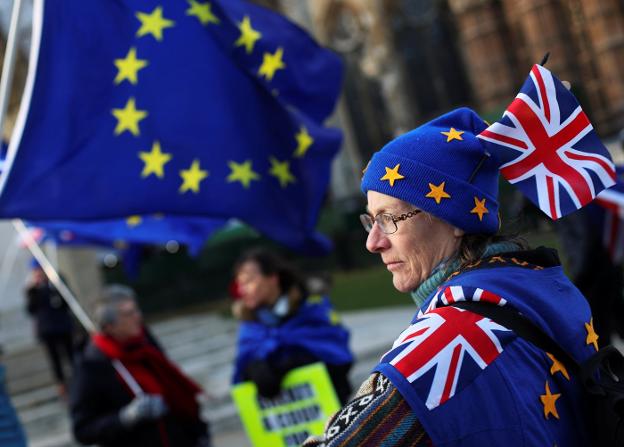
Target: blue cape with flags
(472, 382)
(312, 328)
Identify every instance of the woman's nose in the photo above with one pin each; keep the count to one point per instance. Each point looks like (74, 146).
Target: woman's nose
(377, 240)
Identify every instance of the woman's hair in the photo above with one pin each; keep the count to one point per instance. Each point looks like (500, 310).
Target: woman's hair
(472, 246)
(271, 263)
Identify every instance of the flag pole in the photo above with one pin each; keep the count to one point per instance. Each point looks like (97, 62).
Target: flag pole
(9, 62)
(69, 298)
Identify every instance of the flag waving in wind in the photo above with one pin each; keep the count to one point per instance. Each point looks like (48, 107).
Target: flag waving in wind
(187, 108)
(548, 148)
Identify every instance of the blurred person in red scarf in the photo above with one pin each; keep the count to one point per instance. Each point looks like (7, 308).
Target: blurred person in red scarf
(126, 392)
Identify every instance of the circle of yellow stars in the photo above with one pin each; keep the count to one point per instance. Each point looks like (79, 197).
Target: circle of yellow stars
(156, 25)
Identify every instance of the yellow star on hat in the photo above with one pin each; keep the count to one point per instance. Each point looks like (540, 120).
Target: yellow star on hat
(479, 208)
(392, 175)
(437, 192)
(453, 134)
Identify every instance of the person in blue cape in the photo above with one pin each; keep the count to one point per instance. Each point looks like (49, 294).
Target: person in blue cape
(454, 377)
(282, 327)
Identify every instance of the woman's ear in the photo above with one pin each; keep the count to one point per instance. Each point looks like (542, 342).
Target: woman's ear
(458, 232)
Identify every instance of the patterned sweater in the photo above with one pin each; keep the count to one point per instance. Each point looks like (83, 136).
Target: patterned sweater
(377, 416)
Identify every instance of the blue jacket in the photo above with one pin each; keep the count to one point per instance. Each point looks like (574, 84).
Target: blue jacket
(472, 382)
(312, 328)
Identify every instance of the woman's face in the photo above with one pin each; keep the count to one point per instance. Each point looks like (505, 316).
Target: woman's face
(418, 246)
(255, 288)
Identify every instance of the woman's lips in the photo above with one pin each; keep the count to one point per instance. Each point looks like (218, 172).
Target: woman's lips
(393, 265)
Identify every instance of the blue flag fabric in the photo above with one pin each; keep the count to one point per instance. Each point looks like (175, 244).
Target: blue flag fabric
(192, 232)
(182, 108)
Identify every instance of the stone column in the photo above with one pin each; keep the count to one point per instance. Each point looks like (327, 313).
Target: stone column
(604, 22)
(544, 27)
(487, 58)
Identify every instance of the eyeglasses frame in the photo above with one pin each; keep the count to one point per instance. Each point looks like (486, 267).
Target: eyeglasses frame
(395, 219)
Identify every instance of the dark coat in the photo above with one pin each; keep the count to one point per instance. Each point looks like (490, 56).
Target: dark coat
(50, 311)
(97, 394)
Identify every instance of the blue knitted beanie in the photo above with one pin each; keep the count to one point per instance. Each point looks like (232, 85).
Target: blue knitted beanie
(442, 168)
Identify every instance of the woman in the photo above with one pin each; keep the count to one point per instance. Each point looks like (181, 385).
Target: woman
(126, 392)
(283, 328)
(454, 377)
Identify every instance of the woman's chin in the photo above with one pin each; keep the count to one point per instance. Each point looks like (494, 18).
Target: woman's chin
(404, 284)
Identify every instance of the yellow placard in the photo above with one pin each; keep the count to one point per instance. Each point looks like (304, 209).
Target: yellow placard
(305, 403)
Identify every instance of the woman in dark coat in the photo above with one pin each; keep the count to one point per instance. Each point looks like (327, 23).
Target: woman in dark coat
(126, 392)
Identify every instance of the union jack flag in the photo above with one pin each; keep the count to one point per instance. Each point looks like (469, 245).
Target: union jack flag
(446, 348)
(547, 146)
(612, 200)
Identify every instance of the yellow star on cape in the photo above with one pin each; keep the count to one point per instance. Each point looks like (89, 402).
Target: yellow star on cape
(129, 67)
(128, 118)
(479, 208)
(304, 141)
(392, 175)
(592, 337)
(133, 221)
(192, 177)
(155, 161)
(437, 192)
(202, 11)
(248, 35)
(453, 134)
(557, 366)
(242, 172)
(281, 170)
(153, 23)
(271, 63)
(548, 400)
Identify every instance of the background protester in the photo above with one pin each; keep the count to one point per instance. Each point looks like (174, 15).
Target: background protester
(103, 409)
(53, 323)
(282, 327)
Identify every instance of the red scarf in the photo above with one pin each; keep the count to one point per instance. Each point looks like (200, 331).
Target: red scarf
(154, 373)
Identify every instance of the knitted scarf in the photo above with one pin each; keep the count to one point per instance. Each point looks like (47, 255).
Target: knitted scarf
(444, 269)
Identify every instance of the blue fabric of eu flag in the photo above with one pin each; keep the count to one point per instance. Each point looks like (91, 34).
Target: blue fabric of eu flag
(119, 233)
(187, 108)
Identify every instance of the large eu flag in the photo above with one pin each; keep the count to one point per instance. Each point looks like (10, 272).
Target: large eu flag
(190, 108)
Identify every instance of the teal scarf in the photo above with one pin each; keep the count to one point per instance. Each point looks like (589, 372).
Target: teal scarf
(444, 269)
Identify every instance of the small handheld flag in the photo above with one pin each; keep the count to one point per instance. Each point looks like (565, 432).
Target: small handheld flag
(548, 148)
